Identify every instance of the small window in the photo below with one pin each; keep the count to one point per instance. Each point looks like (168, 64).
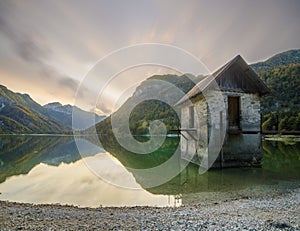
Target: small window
(234, 112)
(191, 117)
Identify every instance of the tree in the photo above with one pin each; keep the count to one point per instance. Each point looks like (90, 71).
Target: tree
(283, 124)
(270, 122)
(297, 123)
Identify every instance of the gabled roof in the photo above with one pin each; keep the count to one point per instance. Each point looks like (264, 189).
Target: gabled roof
(234, 76)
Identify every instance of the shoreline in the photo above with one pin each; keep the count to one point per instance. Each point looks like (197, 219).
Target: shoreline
(282, 138)
(275, 212)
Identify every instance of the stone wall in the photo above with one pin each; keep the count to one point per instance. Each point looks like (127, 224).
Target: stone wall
(250, 110)
(210, 122)
(189, 146)
(240, 150)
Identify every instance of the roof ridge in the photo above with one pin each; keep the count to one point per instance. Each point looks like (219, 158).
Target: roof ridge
(206, 82)
(226, 65)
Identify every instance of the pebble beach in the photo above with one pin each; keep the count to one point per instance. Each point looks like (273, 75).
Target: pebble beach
(274, 212)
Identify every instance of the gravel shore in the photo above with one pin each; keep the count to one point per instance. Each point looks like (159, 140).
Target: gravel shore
(280, 212)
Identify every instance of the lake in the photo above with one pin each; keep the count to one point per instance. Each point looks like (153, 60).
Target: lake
(50, 169)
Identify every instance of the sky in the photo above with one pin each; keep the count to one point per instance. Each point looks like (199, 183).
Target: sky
(48, 47)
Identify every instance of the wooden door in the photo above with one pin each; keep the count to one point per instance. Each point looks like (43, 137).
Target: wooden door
(234, 112)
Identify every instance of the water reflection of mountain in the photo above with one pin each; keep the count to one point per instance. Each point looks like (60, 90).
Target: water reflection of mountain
(19, 154)
(190, 181)
(140, 161)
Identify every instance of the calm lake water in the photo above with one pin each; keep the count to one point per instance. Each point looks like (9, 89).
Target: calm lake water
(49, 169)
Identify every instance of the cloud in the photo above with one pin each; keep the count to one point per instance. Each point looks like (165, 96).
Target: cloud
(28, 48)
(49, 44)
(49, 73)
(104, 108)
(32, 49)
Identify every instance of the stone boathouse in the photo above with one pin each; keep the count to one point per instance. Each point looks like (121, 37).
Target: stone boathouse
(221, 120)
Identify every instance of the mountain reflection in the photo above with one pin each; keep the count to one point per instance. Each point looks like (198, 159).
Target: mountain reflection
(49, 169)
(281, 162)
(19, 154)
(117, 166)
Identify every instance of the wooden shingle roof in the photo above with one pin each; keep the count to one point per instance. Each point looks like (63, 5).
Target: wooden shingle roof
(234, 76)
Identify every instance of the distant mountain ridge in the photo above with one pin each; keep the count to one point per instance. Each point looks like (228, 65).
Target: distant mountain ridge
(64, 114)
(19, 113)
(56, 106)
(281, 59)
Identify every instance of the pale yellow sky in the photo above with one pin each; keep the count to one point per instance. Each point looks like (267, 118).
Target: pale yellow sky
(47, 47)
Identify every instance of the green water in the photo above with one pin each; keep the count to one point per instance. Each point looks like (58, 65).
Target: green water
(49, 169)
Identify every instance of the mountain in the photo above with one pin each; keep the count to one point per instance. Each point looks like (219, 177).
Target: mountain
(64, 114)
(19, 113)
(281, 73)
(146, 105)
(281, 59)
